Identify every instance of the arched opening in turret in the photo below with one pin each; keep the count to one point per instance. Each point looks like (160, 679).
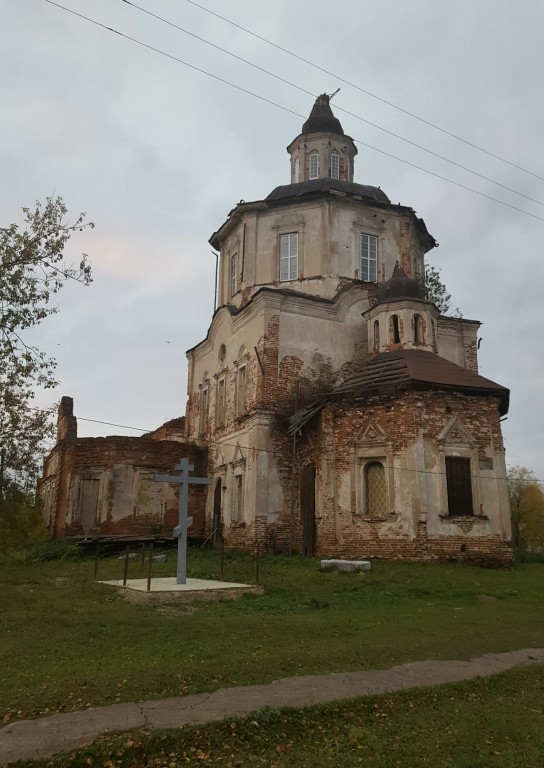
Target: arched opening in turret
(395, 330)
(376, 345)
(418, 330)
(296, 171)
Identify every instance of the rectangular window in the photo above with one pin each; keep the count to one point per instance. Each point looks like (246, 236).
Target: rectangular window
(220, 404)
(203, 410)
(237, 498)
(233, 274)
(241, 378)
(288, 257)
(335, 165)
(459, 486)
(314, 164)
(369, 258)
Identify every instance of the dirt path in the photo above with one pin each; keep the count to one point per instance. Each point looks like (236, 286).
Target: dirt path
(27, 739)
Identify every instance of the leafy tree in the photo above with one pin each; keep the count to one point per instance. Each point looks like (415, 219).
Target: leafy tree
(20, 518)
(520, 481)
(531, 519)
(32, 270)
(436, 291)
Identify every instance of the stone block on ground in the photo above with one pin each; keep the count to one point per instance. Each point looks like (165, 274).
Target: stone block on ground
(347, 566)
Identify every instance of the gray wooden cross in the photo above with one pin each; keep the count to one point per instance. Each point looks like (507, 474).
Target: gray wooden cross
(180, 531)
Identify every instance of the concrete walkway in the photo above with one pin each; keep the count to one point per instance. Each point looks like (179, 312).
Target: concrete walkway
(27, 739)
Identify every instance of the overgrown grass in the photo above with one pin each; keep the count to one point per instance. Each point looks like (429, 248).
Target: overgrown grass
(497, 722)
(67, 642)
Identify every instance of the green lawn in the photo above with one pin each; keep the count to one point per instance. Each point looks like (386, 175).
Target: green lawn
(75, 643)
(496, 722)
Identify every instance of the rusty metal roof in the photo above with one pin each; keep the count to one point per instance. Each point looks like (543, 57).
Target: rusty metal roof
(407, 369)
(327, 184)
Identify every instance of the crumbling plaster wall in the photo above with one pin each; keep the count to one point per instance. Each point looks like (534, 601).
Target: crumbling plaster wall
(328, 244)
(410, 435)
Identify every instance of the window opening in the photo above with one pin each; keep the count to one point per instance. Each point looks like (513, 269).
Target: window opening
(335, 165)
(237, 498)
(297, 170)
(241, 378)
(459, 485)
(395, 331)
(376, 490)
(314, 164)
(376, 336)
(203, 410)
(220, 406)
(288, 257)
(369, 258)
(418, 330)
(233, 274)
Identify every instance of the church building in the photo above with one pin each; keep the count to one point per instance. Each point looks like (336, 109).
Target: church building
(342, 414)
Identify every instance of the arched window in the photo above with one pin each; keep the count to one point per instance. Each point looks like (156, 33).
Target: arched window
(376, 490)
(314, 164)
(296, 173)
(335, 165)
(418, 330)
(376, 336)
(395, 330)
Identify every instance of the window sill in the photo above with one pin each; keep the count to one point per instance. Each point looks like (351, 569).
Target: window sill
(464, 518)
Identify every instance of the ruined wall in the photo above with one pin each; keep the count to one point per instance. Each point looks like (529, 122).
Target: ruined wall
(104, 486)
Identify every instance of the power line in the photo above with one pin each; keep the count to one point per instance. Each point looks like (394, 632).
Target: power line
(337, 107)
(286, 109)
(221, 443)
(368, 93)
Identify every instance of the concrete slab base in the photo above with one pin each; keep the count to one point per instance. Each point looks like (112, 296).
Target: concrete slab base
(346, 565)
(167, 590)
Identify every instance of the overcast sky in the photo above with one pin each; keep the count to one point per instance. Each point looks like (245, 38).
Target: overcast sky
(158, 153)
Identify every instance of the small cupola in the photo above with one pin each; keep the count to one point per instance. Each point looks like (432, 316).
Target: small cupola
(401, 317)
(322, 149)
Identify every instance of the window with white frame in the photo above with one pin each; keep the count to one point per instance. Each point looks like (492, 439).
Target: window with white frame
(288, 257)
(335, 165)
(314, 164)
(296, 173)
(241, 379)
(368, 258)
(237, 498)
(220, 404)
(233, 273)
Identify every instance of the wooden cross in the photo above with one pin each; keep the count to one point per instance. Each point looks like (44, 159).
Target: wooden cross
(180, 531)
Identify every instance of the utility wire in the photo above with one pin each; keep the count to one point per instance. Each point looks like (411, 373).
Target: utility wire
(337, 107)
(363, 90)
(286, 109)
(222, 443)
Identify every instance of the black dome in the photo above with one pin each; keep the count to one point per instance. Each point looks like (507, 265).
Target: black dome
(400, 286)
(321, 118)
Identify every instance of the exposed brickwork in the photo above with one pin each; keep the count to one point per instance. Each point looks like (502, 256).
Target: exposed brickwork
(406, 245)
(119, 465)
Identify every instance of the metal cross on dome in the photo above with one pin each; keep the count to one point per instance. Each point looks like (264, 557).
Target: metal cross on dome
(184, 522)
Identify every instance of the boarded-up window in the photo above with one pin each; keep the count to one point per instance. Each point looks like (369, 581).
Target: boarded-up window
(203, 410)
(459, 485)
(376, 489)
(88, 503)
(220, 404)
(241, 390)
(237, 498)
